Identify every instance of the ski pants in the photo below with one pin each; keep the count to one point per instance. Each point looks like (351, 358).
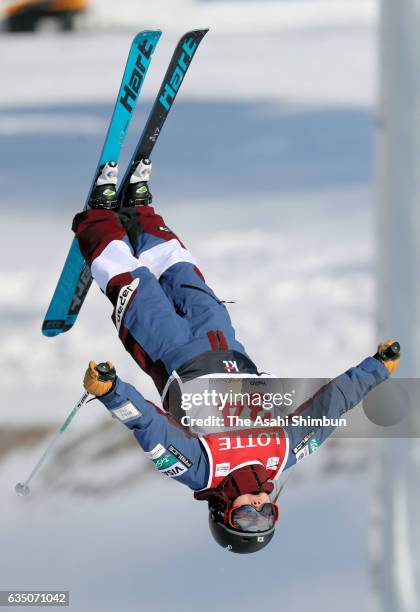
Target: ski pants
(164, 311)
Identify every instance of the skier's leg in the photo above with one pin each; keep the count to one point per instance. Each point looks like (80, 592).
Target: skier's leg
(143, 315)
(154, 243)
(196, 301)
(159, 248)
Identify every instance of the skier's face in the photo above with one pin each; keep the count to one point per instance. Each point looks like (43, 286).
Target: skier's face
(251, 499)
(252, 513)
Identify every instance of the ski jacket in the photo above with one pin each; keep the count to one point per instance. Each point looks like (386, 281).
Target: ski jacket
(200, 462)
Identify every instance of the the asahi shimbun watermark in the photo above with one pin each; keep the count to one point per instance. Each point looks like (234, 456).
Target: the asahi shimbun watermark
(247, 409)
(213, 405)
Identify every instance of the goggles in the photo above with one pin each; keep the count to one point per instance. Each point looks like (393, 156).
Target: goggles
(248, 518)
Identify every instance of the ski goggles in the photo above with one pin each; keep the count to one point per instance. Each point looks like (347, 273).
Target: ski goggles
(248, 518)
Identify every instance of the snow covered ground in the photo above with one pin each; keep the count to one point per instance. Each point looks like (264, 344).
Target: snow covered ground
(229, 16)
(279, 125)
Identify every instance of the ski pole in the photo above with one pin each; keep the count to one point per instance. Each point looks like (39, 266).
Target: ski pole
(22, 488)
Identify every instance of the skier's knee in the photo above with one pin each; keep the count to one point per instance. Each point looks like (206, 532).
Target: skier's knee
(95, 229)
(115, 259)
(165, 255)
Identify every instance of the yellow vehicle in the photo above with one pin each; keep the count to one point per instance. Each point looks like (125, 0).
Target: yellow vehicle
(25, 15)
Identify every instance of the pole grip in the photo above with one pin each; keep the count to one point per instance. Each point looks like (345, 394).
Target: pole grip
(106, 373)
(391, 353)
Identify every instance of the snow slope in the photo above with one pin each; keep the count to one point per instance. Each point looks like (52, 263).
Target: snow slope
(233, 16)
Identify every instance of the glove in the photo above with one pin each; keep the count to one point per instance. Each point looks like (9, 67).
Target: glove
(390, 359)
(99, 379)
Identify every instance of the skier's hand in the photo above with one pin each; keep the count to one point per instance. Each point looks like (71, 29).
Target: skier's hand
(391, 361)
(99, 381)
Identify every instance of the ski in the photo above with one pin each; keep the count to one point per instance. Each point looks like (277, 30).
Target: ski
(75, 294)
(178, 66)
(72, 286)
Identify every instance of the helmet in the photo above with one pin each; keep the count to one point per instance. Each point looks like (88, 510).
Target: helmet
(242, 542)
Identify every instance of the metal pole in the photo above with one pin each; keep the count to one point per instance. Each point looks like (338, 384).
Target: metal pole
(22, 488)
(396, 530)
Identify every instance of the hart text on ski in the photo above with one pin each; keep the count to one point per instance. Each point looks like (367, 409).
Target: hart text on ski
(175, 81)
(131, 90)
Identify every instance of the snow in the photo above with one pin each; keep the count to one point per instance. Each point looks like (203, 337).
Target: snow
(279, 126)
(310, 67)
(233, 16)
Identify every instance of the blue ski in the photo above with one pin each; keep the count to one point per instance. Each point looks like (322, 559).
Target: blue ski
(73, 285)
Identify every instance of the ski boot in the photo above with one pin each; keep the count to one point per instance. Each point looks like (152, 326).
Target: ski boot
(104, 193)
(137, 191)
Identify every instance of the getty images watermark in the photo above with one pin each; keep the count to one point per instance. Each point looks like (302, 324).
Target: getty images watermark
(212, 405)
(244, 409)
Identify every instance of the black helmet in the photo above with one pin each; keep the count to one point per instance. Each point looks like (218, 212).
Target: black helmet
(236, 541)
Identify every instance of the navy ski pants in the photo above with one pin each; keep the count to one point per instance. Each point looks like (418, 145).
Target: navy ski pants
(164, 311)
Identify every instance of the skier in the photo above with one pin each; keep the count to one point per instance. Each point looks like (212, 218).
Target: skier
(177, 330)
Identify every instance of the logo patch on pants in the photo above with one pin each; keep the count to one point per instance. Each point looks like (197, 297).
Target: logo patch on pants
(230, 366)
(123, 300)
